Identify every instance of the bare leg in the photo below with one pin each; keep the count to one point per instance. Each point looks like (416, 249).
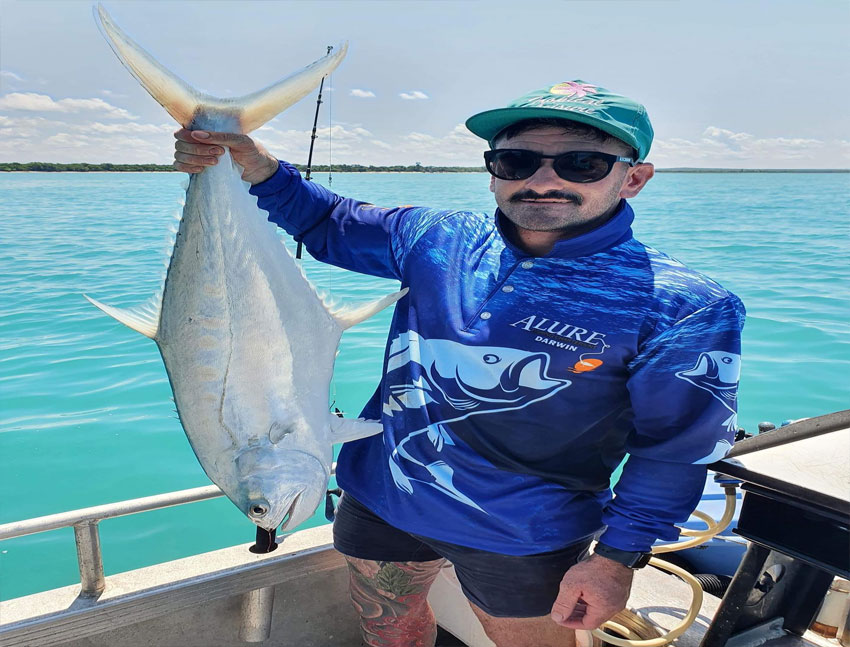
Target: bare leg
(392, 599)
(524, 632)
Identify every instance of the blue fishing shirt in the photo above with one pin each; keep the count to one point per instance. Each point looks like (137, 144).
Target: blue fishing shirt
(513, 385)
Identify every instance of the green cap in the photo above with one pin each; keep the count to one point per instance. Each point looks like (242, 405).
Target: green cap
(576, 100)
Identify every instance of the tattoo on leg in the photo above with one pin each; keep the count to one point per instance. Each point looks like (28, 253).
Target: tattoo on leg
(391, 598)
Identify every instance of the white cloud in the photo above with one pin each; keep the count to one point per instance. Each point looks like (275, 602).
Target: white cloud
(6, 74)
(362, 94)
(65, 139)
(722, 147)
(33, 102)
(98, 127)
(458, 147)
(413, 95)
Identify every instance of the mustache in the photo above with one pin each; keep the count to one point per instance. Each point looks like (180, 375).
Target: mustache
(550, 195)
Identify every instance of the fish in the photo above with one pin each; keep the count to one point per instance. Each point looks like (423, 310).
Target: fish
(455, 381)
(247, 343)
(718, 372)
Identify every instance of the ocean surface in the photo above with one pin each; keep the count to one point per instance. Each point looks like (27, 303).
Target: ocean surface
(86, 415)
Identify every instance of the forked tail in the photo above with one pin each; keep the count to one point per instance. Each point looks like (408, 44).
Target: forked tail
(185, 103)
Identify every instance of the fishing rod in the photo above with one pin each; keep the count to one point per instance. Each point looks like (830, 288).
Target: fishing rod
(313, 137)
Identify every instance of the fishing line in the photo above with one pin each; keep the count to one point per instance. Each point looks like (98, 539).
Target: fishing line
(330, 181)
(330, 127)
(308, 178)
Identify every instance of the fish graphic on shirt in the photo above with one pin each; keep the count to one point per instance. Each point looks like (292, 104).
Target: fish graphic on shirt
(718, 373)
(455, 381)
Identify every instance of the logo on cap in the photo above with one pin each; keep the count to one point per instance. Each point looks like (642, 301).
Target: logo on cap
(571, 88)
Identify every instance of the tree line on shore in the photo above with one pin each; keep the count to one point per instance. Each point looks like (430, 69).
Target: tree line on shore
(338, 168)
(354, 168)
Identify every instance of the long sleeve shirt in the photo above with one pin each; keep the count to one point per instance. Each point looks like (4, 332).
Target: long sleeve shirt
(514, 385)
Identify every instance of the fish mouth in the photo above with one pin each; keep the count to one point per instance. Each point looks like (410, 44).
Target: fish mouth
(260, 509)
(290, 512)
(529, 372)
(705, 366)
(521, 380)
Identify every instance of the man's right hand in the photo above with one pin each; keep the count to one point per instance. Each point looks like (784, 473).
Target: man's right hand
(197, 149)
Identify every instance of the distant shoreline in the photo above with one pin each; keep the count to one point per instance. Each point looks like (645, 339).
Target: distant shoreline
(51, 167)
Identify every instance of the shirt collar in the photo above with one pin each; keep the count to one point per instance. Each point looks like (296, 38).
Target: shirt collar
(617, 229)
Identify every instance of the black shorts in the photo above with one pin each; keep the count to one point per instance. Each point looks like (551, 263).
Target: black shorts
(506, 586)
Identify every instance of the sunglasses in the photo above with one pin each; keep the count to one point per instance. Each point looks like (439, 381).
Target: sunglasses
(575, 166)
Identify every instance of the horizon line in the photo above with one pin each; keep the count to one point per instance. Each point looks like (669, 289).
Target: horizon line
(347, 167)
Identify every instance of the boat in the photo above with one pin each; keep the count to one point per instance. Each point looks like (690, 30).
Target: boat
(794, 517)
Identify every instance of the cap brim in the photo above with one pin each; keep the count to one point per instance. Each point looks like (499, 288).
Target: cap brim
(490, 123)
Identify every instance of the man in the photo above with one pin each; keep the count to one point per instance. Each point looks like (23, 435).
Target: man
(534, 349)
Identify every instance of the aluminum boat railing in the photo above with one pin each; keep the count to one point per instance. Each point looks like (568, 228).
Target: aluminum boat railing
(87, 535)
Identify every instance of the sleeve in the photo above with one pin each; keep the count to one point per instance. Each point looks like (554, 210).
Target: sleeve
(683, 389)
(354, 235)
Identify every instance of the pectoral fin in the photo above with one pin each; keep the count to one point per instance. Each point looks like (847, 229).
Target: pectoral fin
(347, 429)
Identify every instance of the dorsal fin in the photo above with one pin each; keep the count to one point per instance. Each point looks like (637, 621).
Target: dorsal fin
(348, 317)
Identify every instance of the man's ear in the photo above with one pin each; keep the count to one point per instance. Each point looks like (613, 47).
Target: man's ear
(492, 184)
(636, 179)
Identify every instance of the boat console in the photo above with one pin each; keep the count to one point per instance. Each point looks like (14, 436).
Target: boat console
(796, 515)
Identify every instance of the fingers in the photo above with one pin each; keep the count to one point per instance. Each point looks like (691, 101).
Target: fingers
(196, 150)
(231, 140)
(567, 607)
(191, 156)
(587, 617)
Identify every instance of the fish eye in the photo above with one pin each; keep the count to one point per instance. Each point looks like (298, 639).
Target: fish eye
(726, 360)
(489, 358)
(259, 509)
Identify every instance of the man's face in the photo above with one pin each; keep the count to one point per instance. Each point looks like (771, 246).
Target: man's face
(544, 201)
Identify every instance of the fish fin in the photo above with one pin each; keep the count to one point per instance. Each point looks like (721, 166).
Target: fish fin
(348, 317)
(175, 95)
(400, 478)
(143, 318)
(184, 103)
(262, 106)
(347, 429)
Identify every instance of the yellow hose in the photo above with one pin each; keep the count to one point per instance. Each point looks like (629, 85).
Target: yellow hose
(702, 536)
(699, 537)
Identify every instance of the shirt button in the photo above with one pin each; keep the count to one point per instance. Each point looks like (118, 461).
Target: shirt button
(486, 315)
(527, 265)
(508, 288)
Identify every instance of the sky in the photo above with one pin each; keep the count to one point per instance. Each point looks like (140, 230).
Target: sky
(727, 83)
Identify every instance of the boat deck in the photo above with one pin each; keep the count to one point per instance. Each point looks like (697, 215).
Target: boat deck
(198, 602)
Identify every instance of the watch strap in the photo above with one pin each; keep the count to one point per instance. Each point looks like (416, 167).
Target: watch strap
(627, 558)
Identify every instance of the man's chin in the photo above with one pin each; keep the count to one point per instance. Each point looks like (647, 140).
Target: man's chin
(543, 219)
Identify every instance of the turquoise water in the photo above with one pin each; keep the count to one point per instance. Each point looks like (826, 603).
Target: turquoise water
(85, 410)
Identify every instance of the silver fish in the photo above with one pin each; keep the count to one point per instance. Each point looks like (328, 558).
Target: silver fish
(247, 343)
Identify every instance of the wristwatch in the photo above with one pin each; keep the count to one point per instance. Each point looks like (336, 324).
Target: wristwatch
(624, 557)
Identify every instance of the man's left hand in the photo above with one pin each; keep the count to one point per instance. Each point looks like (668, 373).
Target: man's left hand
(592, 592)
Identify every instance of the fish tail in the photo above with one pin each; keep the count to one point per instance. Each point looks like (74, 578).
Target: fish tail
(185, 103)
